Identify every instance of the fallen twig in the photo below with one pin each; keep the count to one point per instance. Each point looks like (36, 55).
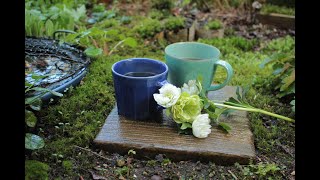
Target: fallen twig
(234, 176)
(88, 150)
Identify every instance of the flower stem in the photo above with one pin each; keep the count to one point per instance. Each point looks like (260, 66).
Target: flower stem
(256, 110)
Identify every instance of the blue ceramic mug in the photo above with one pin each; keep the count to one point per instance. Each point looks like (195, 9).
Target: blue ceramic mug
(135, 82)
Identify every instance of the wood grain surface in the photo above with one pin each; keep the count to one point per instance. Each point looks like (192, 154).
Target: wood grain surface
(160, 136)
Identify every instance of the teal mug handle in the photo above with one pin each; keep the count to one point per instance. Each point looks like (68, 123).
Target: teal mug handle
(229, 69)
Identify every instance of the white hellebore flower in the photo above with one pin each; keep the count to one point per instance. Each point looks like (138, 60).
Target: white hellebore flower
(201, 127)
(169, 95)
(191, 88)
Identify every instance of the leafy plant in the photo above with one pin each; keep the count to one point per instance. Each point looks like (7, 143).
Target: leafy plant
(100, 13)
(156, 14)
(269, 8)
(148, 28)
(174, 23)
(44, 22)
(122, 171)
(214, 25)
(107, 23)
(230, 45)
(283, 66)
(96, 40)
(261, 169)
(125, 19)
(33, 103)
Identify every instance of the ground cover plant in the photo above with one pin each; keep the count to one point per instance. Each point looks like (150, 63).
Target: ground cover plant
(269, 8)
(69, 124)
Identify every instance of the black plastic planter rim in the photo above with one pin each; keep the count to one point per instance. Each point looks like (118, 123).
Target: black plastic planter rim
(75, 78)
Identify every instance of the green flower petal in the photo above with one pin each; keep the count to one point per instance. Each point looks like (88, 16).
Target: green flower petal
(186, 108)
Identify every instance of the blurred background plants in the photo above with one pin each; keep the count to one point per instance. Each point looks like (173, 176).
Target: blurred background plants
(174, 23)
(214, 25)
(269, 8)
(41, 20)
(148, 28)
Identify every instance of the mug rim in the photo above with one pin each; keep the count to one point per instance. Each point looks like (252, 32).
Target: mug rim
(177, 43)
(135, 59)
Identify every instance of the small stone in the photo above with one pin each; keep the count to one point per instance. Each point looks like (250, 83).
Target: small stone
(144, 173)
(293, 173)
(156, 177)
(211, 174)
(159, 157)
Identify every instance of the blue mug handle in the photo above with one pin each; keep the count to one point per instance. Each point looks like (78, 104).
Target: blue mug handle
(159, 85)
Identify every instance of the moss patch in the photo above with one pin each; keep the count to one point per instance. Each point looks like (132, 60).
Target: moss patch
(36, 170)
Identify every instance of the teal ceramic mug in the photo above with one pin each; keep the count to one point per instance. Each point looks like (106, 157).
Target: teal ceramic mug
(187, 60)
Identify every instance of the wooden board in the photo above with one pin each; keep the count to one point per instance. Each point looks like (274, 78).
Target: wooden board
(277, 20)
(148, 139)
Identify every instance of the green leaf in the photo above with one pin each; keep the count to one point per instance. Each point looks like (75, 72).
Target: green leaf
(26, 84)
(125, 19)
(218, 113)
(293, 105)
(225, 126)
(130, 42)
(185, 125)
(111, 15)
(273, 58)
(38, 77)
(277, 71)
(36, 104)
(30, 118)
(49, 27)
(212, 116)
(200, 78)
(232, 100)
(31, 100)
(131, 151)
(288, 81)
(187, 131)
(168, 112)
(92, 51)
(206, 103)
(265, 62)
(47, 90)
(33, 141)
(227, 112)
(211, 106)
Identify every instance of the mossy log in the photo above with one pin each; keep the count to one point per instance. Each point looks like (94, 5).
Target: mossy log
(277, 20)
